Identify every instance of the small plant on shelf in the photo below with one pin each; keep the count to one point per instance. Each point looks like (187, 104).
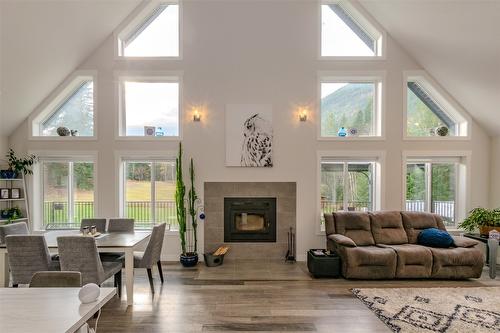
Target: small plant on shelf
(483, 219)
(11, 214)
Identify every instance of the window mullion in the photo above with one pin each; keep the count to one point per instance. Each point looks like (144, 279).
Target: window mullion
(153, 192)
(428, 187)
(70, 193)
(346, 187)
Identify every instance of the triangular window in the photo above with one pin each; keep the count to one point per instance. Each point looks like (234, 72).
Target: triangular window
(343, 34)
(70, 112)
(156, 34)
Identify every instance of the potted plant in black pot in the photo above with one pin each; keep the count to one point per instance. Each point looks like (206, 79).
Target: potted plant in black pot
(18, 165)
(187, 259)
(483, 219)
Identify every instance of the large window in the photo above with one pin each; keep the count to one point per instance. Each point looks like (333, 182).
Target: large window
(350, 106)
(67, 192)
(346, 33)
(149, 192)
(71, 107)
(149, 107)
(347, 185)
(431, 186)
(155, 33)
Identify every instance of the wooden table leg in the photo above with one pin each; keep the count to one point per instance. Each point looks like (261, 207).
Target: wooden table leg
(129, 275)
(4, 270)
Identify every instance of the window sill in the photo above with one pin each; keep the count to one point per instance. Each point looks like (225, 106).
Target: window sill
(436, 138)
(63, 138)
(143, 58)
(351, 138)
(148, 138)
(351, 58)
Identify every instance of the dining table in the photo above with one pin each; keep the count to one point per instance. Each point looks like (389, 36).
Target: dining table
(122, 242)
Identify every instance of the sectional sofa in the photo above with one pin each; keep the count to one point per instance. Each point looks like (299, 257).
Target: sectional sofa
(383, 245)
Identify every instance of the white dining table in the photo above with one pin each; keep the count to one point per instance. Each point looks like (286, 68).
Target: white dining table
(47, 310)
(106, 242)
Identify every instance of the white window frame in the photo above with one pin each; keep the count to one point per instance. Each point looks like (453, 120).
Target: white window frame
(443, 99)
(121, 157)
(378, 78)
(463, 185)
(145, 76)
(56, 99)
(136, 19)
(59, 156)
(376, 157)
(365, 20)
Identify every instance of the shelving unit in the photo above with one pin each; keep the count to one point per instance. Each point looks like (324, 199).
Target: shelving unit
(21, 202)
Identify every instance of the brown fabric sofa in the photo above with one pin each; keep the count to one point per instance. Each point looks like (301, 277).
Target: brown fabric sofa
(383, 245)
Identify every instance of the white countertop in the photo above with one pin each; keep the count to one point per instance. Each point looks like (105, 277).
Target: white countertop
(51, 310)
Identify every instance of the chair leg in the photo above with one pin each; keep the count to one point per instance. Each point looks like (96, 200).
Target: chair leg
(118, 283)
(160, 270)
(150, 277)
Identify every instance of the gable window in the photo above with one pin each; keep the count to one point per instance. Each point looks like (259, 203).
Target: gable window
(436, 185)
(72, 108)
(149, 107)
(153, 33)
(149, 192)
(352, 105)
(429, 113)
(346, 33)
(67, 187)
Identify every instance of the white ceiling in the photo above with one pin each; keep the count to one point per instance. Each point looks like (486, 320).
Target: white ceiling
(457, 42)
(42, 42)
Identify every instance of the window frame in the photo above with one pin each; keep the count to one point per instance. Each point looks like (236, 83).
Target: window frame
(38, 187)
(375, 156)
(463, 177)
(378, 78)
(158, 77)
(443, 99)
(365, 21)
(56, 99)
(141, 13)
(121, 157)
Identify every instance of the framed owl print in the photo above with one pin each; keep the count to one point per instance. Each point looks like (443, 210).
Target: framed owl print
(249, 135)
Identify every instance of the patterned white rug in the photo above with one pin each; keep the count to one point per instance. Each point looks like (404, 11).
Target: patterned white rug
(444, 310)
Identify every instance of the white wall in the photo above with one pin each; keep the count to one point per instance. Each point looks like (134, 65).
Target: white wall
(495, 173)
(3, 148)
(259, 52)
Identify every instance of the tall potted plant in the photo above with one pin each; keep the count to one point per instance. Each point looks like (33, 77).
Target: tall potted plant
(18, 165)
(483, 219)
(192, 201)
(187, 259)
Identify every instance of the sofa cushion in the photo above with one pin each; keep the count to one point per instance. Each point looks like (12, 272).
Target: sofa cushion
(355, 225)
(387, 228)
(414, 222)
(368, 262)
(342, 240)
(329, 223)
(434, 237)
(464, 242)
(414, 261)
(456, 263)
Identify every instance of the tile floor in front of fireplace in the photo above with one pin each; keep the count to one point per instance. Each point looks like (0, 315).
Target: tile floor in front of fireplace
(194, 300)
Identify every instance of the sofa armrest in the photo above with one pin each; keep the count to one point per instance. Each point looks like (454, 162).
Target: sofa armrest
(342, 240)
(464, 242)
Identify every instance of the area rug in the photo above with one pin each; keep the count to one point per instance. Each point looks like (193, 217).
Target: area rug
(450, 310)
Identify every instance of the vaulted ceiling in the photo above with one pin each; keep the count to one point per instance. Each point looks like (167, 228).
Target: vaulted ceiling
(457, 42)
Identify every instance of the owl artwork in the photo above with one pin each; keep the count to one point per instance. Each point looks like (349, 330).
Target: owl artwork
(256, 150)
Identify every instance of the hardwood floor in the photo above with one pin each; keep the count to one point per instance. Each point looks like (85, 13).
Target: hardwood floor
(193, 300)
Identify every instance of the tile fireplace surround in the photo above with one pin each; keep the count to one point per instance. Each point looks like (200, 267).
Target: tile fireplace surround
(215, 192)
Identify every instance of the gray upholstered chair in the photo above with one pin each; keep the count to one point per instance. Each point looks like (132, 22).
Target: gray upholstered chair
(28, 254)
(121, 225)
(100, 224)
(18, 228)
(79, 254)
(48, 279)
(151, 256)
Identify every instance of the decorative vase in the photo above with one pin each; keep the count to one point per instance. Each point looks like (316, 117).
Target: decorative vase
(189, 260)
(8, 174)
(485, 230)
(442, 131)
(342, 132)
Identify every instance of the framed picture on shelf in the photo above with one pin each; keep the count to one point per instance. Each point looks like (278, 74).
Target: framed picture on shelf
(4, 193)
(15, 193)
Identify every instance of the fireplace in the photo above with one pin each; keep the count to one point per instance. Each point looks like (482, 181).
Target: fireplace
(249, 219)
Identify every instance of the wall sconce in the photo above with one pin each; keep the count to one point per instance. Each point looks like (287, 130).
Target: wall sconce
(303, 115)
(196, 115)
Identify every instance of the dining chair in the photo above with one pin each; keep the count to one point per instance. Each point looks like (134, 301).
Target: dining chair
(62, 279)
(121, 225)
(79, 254)
(100, 224)
(28, 254)
(18, 228)
(151, 256)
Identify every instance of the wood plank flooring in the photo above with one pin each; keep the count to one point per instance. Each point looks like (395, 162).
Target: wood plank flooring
(187, 302)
